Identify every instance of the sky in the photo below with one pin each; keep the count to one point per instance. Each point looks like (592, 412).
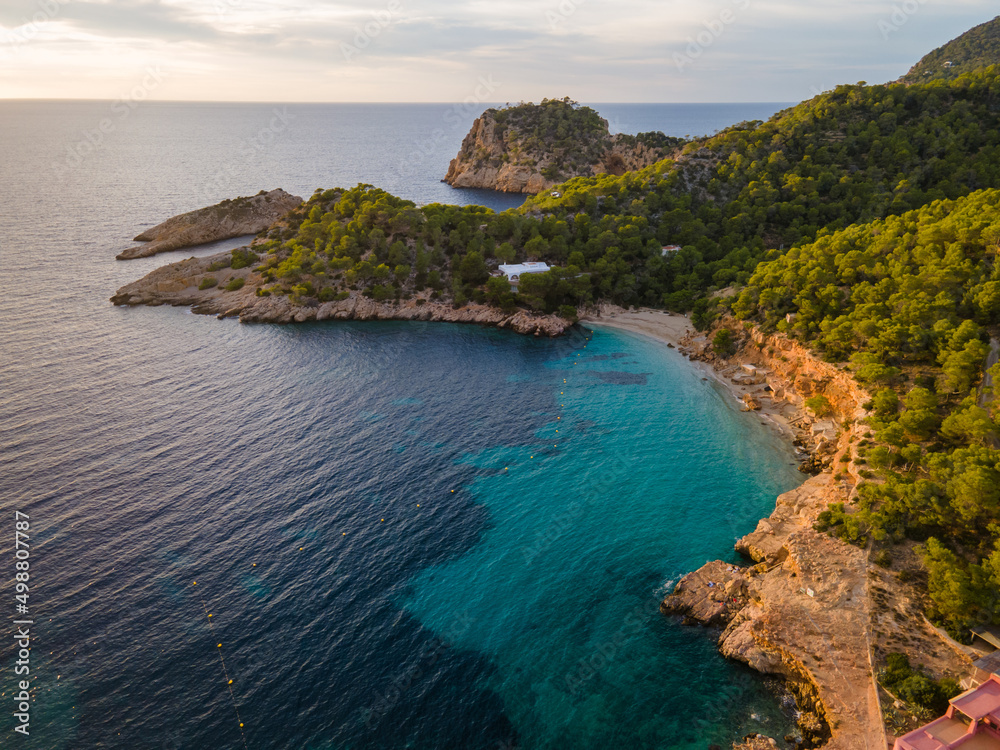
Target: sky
(472, 50)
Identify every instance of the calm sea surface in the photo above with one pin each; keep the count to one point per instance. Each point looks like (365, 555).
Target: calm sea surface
(406, 535)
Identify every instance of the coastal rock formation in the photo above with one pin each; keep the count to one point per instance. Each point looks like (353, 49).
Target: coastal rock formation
(231, 218)
(801, 612)
(211, 287)
(811, 608)
(531, 148)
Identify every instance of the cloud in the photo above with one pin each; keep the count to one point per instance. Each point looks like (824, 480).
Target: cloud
(594, 50)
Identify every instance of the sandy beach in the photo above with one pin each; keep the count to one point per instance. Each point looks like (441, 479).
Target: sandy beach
(671, 329)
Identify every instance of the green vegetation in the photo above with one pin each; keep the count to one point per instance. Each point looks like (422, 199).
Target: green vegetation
(234, 284)
(243, 257)
(568, 138)
(975, 49)
(819, 405)
(852, 155)
(909, 301)
(722, 342)
(207, 283)
(860, 222)
(914, 687)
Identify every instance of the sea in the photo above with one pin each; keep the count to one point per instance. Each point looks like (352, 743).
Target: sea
(343, 536)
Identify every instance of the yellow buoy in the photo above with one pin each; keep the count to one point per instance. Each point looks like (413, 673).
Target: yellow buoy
(210, 615)
(230, 682)
(220, 645)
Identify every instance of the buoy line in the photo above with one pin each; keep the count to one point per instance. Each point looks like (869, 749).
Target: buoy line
(222, 658)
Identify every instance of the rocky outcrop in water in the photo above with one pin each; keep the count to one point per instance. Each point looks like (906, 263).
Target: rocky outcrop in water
(530, 148)
(210, 286)
(231, 218)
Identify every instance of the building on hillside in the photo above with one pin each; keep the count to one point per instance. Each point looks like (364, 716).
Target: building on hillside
(515, 271)
(972, 722)
(670, 250)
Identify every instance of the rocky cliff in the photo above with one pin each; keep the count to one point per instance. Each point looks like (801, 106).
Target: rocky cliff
(530, 148)
(810, 608)
(231, 218)
(210, 286)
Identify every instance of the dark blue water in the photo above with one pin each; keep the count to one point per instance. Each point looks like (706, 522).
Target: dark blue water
(406, 535)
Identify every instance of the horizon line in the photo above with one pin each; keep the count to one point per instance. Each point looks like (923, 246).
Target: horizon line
(262, 101)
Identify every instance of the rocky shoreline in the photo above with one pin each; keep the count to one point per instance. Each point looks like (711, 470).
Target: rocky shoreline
(810, 608)
(180, 284)
(802, 609)
(806, 607)
(230, 218)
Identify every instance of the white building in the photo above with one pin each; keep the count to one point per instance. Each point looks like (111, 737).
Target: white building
(513, 272)
(670, 250)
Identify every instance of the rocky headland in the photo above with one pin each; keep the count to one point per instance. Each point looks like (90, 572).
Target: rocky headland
(806, 607)
(531, 148)
(230, 218)
(210, 286)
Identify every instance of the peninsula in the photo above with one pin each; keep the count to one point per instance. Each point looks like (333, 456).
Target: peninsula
(230, 218)
(839, 266)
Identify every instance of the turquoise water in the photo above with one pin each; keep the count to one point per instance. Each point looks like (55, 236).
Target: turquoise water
(631, 487)
(281, 467)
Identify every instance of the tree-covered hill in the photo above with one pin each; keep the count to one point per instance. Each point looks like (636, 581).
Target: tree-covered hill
(530, 147)
(910, 302)
(872, 211)
(975, 49)
(852, 155)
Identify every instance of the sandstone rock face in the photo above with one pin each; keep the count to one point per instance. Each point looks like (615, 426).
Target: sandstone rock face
(177, 284)
(804, 616)
(807, 611)
(487, 160)
(219, 222)
(756, 742)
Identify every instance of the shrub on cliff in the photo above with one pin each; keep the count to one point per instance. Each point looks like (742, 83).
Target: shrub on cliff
(723, 343)
(243, 257)
(819, 405)
(207, 283)
(915, 687)
(235, 284)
